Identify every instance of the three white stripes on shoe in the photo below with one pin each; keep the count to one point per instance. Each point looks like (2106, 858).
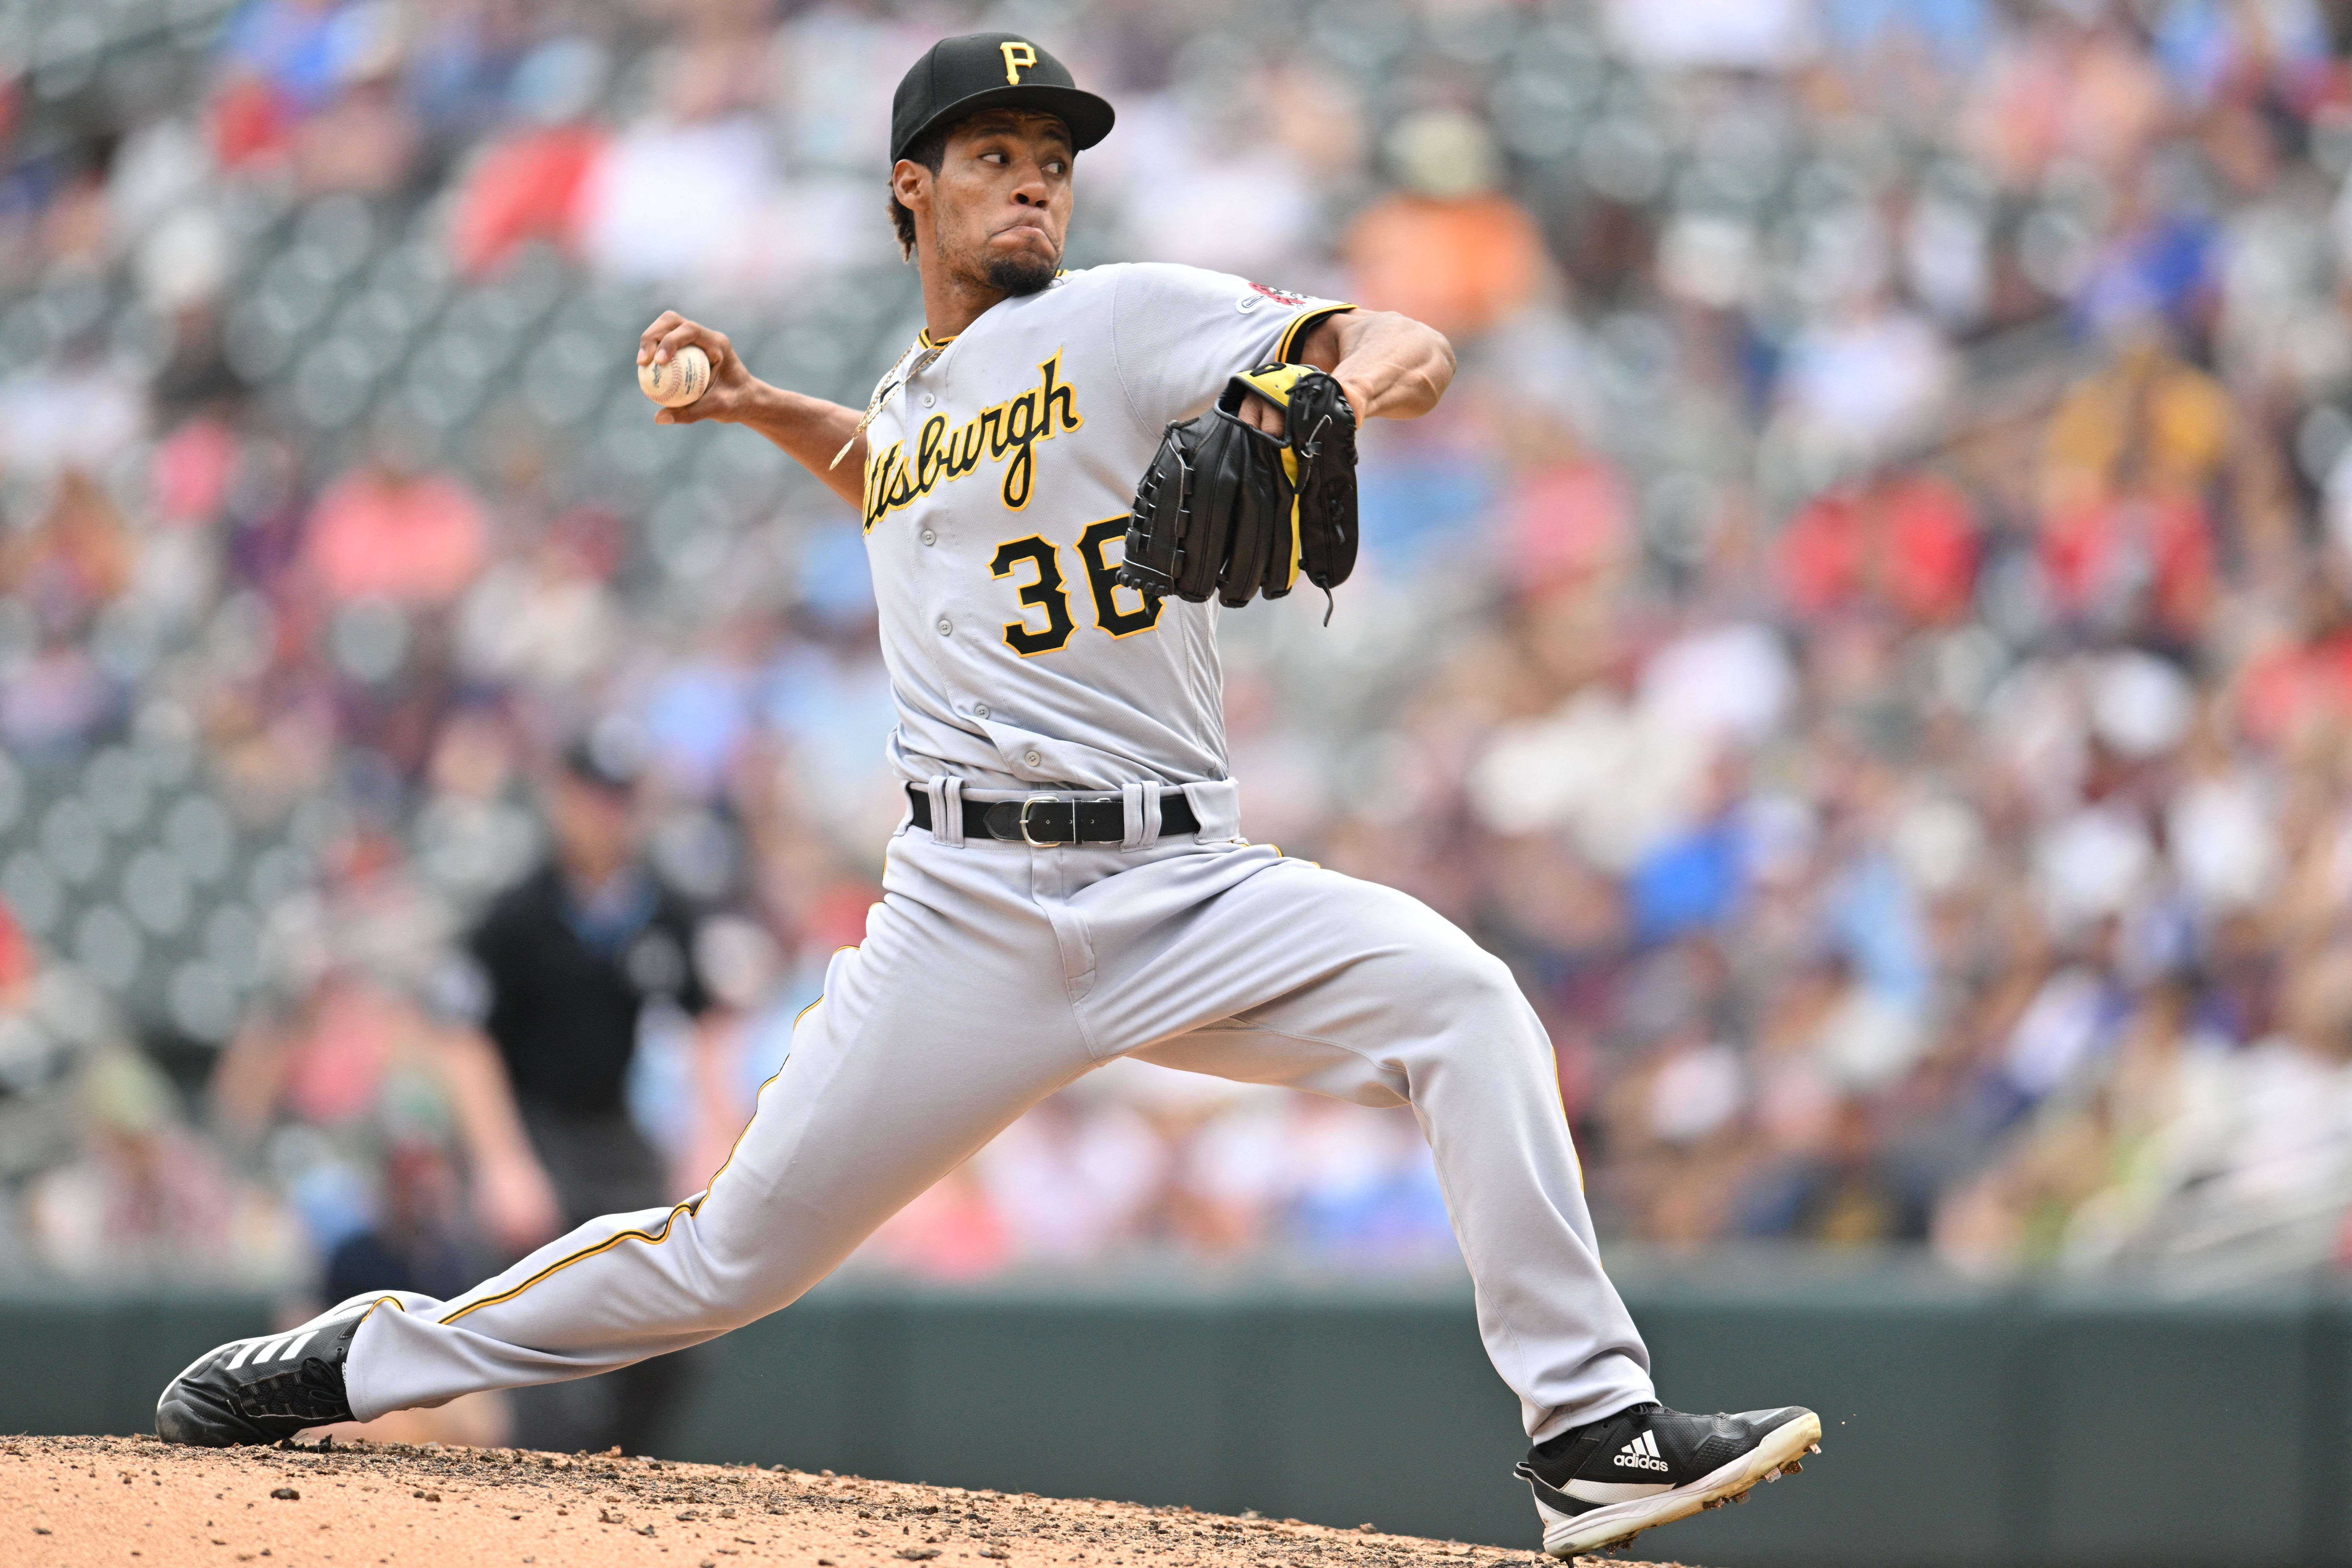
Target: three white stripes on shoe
(268, 1349)
(280, 1347)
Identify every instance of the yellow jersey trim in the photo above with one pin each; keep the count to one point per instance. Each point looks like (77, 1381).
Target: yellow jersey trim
(1305, 322)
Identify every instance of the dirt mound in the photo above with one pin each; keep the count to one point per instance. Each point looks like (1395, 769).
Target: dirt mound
(73, 1503)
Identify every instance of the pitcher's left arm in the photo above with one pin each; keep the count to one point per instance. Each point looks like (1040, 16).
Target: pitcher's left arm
(1390, 366)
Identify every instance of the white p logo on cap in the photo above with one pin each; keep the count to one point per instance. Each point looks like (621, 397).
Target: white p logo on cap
(1017, 58)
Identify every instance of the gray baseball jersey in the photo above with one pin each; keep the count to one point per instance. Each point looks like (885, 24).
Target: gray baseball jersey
(998, 477)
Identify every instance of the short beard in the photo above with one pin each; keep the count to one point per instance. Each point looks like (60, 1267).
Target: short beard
(1019, 274)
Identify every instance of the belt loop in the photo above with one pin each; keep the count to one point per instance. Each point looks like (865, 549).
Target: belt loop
(1217, 803)
(947, 811)
(1141, 821)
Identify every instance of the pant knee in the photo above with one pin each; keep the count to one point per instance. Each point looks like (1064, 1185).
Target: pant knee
(1467, 994)
(1478, 979)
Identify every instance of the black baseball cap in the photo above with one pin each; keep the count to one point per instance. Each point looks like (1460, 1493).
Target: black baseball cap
(609, 755)
(963, 76)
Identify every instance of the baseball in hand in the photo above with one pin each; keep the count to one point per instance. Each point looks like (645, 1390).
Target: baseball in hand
(685, 377)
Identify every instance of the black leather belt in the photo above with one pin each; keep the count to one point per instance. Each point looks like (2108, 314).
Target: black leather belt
(1044, 819)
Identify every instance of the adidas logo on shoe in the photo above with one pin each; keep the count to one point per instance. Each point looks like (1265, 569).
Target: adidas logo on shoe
(1641, 1453)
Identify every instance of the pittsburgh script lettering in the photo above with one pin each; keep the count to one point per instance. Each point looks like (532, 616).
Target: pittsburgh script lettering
(1007, 431)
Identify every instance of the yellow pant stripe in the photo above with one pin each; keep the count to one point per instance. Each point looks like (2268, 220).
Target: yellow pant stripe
(562, 1263)
(690, 1206)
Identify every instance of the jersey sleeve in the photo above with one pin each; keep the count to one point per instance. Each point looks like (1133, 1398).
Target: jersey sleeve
(1177, 332)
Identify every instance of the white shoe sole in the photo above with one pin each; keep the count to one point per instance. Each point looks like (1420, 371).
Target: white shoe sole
(1620, 1521)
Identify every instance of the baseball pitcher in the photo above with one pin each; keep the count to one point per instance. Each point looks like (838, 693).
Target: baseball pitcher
(1070, 883)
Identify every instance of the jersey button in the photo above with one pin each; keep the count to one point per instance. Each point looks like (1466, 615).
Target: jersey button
(930, 538)
(930, 400)
(979, 709)
(947, 626)
(1030, 758)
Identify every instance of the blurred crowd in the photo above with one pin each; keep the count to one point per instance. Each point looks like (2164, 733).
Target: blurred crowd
(1868, 638)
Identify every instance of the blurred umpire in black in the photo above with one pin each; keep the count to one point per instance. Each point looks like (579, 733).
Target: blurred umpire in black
(558, 978)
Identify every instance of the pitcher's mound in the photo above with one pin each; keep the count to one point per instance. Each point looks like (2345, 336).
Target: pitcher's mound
(137, 1502)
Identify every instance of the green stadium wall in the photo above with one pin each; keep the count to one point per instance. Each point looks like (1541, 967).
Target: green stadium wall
(1965, 1426)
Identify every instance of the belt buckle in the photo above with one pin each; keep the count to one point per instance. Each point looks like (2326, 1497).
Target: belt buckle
(1047, 843)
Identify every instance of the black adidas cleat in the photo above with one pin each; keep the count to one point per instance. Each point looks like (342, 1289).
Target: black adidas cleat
(1605, 1482)
(259, 1391)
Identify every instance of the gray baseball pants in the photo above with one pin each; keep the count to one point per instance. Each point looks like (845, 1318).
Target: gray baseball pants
(992, 974)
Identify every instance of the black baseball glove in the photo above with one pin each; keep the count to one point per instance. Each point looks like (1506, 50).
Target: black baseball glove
(1225, 507)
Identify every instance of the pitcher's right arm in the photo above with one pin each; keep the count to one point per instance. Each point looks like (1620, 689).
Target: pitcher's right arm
(808, 429)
